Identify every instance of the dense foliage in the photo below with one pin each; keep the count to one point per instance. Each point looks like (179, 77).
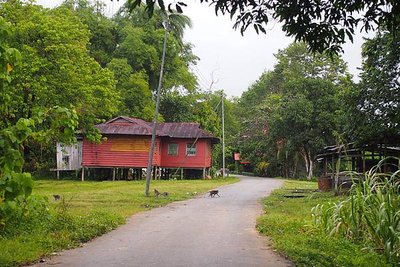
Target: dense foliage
(16, 203)
(375, 104)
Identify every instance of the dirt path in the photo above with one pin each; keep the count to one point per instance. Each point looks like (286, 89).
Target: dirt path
(202, 232)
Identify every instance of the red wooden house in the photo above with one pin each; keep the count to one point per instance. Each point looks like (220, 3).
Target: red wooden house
(183, 146)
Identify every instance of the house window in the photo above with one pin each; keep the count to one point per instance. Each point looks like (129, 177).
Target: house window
(65, 160)
(173, 149)
(191, 149)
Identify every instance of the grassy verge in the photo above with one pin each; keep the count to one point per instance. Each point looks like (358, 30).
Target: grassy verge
(289, 224)
(87, 210)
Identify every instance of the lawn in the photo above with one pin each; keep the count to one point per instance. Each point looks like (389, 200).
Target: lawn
(121, 197)
(289, 224)
(86, 210)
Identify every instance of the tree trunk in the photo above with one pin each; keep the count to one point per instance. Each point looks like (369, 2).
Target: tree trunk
(296, 162)
(307, 162)
(304, 155)
(310, 165)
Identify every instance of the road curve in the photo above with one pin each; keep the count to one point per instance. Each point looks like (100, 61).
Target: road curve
(202, 232)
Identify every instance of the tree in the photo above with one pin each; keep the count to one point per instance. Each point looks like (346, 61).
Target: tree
(134, 90)
(198, 107)
(141, 43)
(292, 111)
(103, 31)
(375, 105)
(177, 107)
(56, 70)
(306, 118)
(323, 24)
(140, 18)
(44, 123)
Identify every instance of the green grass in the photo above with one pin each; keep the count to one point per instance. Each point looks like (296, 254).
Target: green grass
(289, 224)
(122, 197)
(87, 210)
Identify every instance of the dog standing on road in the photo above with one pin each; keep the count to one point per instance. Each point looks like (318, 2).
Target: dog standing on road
(213, 193)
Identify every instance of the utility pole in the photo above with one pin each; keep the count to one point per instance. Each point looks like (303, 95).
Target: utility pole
(223, 135)
(154, 129)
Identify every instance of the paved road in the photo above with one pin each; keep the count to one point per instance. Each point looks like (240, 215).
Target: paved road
(199, 232)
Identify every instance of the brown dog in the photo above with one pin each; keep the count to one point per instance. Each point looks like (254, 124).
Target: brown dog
(213, 193)
(158, 193)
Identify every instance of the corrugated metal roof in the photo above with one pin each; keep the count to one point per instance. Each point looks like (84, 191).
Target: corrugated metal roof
(182, 130)
(123, 129)
(132, 126)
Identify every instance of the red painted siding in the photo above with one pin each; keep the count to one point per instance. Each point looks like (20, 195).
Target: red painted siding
(202, 159)
(120, 151)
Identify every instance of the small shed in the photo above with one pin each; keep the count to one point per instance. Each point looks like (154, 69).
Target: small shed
(69, 157)
(337, 161)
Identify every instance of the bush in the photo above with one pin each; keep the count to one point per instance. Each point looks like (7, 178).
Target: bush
(23, 215)
(261, 168)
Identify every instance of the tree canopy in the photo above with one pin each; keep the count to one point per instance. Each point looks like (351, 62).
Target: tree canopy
(323, 24)
(293, 111)
(374, 105)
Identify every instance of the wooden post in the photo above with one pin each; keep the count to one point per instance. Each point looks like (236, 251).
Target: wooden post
(58, 174)
(181, 173)
(204, 173)
(83, 174)
(113, 174)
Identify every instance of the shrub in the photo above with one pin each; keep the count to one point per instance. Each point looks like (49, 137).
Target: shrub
(23, 215)
(261, 168)
(370, 216)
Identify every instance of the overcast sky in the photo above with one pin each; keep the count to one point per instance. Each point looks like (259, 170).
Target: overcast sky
(228, 60)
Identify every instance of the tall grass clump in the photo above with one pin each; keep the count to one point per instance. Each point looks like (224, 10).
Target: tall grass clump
(370, 215)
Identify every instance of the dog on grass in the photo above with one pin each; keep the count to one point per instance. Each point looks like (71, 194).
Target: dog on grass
(158, 193)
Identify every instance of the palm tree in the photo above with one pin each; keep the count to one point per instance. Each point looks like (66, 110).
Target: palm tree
(177, 23)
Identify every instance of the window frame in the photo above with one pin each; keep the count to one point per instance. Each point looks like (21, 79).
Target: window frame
(191, 146)
(169, 150)
(65, 159)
